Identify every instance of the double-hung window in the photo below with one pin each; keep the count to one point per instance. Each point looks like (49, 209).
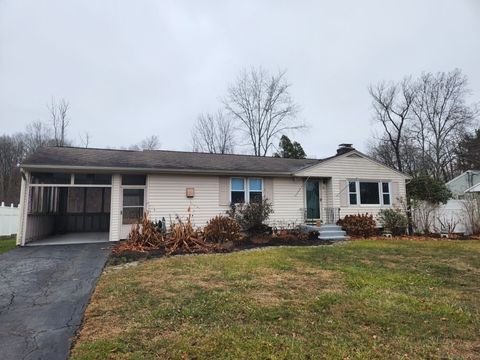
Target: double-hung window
(369, 193)
(352, 192)
(255, 190)
(386, 193)
(243, 190)
(237, 192)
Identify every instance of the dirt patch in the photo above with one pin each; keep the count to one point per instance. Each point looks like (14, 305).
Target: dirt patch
(295, 286)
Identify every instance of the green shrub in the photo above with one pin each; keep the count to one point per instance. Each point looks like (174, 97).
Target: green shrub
(251, 216)
(358, 225)
(222, 229)
(393, 220)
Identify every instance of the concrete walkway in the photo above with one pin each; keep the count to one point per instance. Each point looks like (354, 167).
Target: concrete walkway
(72, 238)
(43, 294)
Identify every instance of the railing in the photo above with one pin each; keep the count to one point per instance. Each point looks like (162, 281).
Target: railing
(331, 215)
(328, 215)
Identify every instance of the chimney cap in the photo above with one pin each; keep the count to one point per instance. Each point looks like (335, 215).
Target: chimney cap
(344, 148)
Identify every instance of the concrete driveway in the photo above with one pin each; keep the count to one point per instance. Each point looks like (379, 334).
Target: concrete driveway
(43, 294)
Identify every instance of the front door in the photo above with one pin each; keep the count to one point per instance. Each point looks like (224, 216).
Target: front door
(133, 201)
(312, 199)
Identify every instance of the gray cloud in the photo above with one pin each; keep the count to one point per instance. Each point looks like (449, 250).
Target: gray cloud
(135, 68)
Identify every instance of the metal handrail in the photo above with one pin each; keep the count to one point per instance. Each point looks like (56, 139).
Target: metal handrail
(331, 215)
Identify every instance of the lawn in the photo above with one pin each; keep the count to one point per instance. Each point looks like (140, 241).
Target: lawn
(381, 299)
(7, 244)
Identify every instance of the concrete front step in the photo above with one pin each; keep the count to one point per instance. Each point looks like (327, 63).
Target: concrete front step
(332, 232)
(334, 238)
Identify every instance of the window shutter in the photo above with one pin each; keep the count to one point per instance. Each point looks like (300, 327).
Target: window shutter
(268, 189)
(343, 192)
(224, 191)
(395, 194)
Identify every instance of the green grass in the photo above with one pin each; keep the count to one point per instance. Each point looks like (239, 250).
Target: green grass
(361, 300)
(7, 244)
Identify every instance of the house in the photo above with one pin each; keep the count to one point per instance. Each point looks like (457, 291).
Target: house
(97, 194)
(467, 182)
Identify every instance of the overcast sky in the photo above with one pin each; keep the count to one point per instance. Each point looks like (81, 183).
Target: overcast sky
(134, 68)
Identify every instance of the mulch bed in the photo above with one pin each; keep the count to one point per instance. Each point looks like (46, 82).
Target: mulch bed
(262, 241)
(117, 258)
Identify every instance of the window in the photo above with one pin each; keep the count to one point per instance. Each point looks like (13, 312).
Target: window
(255, 190)
(352, 192)
(237, 190)
(90, 179)
(246, 190)
(134, 179)
(386, 193)
(50, 178)
(369, 193)
(133, 200)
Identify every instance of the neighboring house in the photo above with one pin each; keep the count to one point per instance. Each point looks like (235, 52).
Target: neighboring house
(469, 181)
(455, 212)
(78, 190)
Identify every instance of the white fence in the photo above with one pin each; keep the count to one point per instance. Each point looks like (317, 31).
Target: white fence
(8, 219)
(449, 217)
(453, 213)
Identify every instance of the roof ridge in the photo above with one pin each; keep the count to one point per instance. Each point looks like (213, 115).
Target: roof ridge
(181, 152)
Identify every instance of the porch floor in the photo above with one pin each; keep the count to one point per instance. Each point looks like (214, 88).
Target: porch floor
(72, 238)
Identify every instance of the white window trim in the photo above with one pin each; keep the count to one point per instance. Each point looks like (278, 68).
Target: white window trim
(380, 193)
(246, 187)
(134, 187)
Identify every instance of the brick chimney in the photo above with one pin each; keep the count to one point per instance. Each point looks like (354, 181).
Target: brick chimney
(344, 148)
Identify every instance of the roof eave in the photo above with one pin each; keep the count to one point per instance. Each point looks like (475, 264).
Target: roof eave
(29, 167)
(333, 158)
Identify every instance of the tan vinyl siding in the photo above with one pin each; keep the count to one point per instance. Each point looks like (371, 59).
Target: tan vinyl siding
(268, 189)
(224, 190)
(166, 197)
(354, 167)
(115, 208)
(288, 201)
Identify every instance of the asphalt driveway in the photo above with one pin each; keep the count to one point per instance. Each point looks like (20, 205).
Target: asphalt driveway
(43, 294)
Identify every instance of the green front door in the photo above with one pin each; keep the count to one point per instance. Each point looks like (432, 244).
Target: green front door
(313, 199)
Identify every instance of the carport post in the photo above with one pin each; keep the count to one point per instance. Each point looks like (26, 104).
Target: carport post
(23, 208)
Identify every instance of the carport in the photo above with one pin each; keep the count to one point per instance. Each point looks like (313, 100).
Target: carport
(67, 208)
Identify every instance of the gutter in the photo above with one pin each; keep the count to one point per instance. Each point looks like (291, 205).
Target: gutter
(151, 170)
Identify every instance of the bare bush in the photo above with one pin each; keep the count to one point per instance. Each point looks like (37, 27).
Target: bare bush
(471, 211)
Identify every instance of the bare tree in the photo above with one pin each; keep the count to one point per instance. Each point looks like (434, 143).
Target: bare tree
(441, 119)
(213, 133)
(60, 122)
(149, 143)
(85, 139)
(263, 107)
(12, 152)
(423, 122)
(392, 109)
(37, 134)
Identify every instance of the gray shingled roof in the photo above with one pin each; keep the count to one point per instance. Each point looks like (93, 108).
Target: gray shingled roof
(162, 160)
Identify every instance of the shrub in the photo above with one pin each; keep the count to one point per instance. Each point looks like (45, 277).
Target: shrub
(358, 225)
(184, 238)
(251, 217)
(393, 220)
(222, 229)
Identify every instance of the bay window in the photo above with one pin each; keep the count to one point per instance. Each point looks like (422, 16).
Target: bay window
(369, 193)
(243, 190)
